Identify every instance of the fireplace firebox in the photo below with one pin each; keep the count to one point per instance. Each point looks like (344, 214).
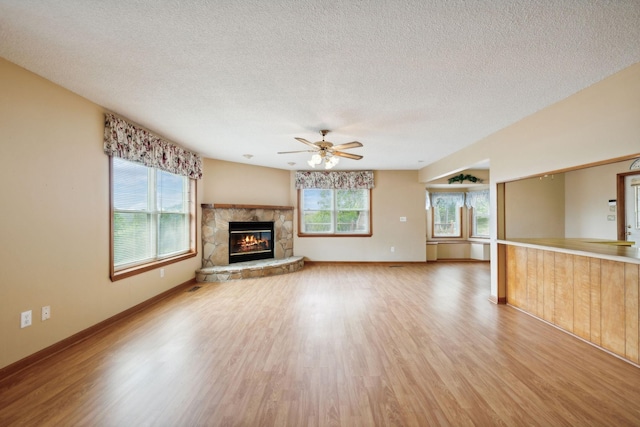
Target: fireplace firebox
(250, 241)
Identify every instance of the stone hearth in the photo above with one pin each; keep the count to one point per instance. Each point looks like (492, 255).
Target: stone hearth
(250, 269)
(215, 239)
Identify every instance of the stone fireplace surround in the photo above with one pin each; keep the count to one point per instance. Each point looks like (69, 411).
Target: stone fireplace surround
(215, 242)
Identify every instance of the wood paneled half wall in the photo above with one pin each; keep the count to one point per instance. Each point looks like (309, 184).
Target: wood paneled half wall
(595, 299)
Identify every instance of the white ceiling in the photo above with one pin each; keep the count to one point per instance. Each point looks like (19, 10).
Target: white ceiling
(413, 80)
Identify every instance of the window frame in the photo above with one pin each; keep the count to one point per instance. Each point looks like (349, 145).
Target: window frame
(334, 216)
(121, 273)
(473, 225)
(433, 225)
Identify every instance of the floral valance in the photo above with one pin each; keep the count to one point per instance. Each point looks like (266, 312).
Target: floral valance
(476, 197)
(130, 142)
(355, 180)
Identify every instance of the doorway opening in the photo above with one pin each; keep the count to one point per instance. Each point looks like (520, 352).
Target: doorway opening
(628, 206)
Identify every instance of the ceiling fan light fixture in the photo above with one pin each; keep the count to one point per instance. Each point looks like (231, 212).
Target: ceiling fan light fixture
(316, 159)
(325, 151)
(331, 162)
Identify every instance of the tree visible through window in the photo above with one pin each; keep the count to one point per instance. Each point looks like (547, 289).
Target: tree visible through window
(446, 214)
(446, 219)
(480, 219)
(478, 204)
(152, 212)
(334, 212)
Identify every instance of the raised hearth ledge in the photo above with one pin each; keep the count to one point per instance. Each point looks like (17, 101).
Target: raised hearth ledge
(250, 269)
(233, 206)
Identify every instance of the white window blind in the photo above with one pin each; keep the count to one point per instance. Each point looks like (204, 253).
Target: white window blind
(150, 214)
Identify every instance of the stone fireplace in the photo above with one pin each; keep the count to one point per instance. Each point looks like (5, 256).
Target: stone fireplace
(216, 236)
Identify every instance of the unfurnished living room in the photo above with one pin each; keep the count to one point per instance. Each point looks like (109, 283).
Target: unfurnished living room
(354, 213)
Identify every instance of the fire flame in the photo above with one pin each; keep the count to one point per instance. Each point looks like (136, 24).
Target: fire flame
(250, 243)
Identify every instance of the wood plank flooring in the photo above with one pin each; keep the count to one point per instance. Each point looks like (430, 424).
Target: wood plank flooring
(331, 345)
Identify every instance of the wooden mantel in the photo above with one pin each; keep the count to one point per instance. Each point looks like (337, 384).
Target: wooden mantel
(237, 206)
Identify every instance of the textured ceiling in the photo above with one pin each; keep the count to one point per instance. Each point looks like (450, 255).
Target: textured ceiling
(412, 80)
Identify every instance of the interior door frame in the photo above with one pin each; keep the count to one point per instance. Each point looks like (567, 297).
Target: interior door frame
(621, 206)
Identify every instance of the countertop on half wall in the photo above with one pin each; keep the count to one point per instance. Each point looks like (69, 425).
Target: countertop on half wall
(614, 250)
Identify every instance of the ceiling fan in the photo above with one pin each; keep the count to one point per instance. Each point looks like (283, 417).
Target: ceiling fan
(326, 151)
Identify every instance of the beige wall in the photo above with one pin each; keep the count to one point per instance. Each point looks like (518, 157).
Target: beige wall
(454, 250)
(588, 192)
(237, 183)
(597, 123)
(396, 194)
(54, 184)
(535, 207)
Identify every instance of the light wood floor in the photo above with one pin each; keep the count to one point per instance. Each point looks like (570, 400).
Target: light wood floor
(331, 345)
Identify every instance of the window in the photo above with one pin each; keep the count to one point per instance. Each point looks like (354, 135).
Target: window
(334, 212)
(446, 214)
(480, 222)
(478, 203)
(153, 218)
(446, 220)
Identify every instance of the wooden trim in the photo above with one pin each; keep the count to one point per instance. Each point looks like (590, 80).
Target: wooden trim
(622, 203)
(123, 274)
(369, 234)
(367, 263)
(299, 210)
(116, 275)
(334, 235)
(433, 226)
(47, 352)
(383, 263)
(470, 212)
(239, 206)
(500, 219)
(497, 300)
(111, 260)
(501, 270)
(193, 217)
(580, 247)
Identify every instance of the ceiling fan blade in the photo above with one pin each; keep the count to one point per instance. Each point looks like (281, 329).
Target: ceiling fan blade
(304, 141)
(348, 145)
(301, 151)
(347, 155)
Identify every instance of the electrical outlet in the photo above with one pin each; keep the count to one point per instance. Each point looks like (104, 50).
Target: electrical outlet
(393, 249)
(162, 272)
(25, 319)
(403, 219)
(46, 312)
